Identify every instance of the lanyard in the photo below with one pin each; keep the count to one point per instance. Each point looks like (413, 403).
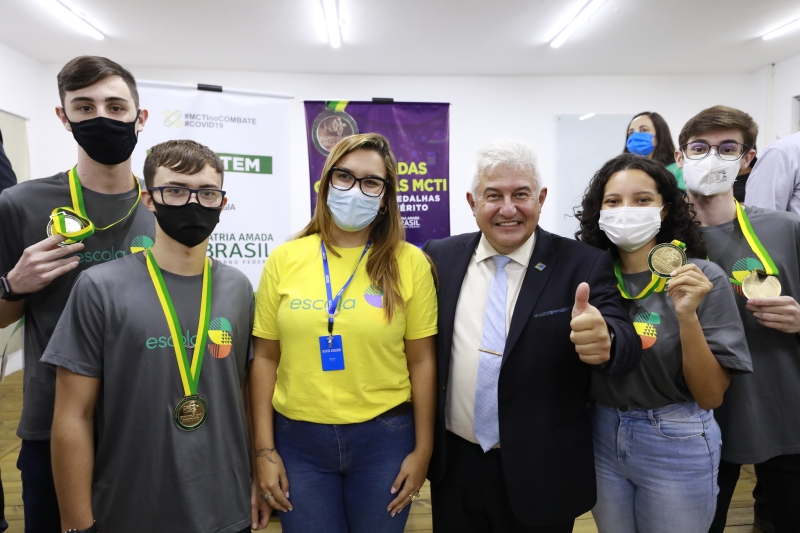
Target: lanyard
(332, 302)
(190, 377)
(656, 284)
(752, 239)
(78, 209)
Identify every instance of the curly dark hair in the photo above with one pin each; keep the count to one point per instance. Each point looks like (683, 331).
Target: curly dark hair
(679, 223)
(665, 149)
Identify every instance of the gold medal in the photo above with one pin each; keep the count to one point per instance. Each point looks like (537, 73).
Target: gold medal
(72, 224)
(190, 413)
(758, 284)
(665, 258)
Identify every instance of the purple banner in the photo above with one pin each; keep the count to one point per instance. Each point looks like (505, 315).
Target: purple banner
(419, 135)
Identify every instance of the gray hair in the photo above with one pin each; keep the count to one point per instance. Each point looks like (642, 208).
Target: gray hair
(507, 154)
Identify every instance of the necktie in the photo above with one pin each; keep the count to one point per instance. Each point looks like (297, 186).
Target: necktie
(485, 423)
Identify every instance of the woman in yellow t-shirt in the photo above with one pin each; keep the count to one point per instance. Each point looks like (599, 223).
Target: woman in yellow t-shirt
(345, 321)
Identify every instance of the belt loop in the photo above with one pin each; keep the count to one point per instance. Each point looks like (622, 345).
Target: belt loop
(651, 417)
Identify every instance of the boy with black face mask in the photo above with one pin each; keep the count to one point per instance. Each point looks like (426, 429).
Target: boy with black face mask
(152, 350)
(52, 229)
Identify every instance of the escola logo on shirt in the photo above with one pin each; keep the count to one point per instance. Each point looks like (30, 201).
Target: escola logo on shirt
(138, 244)
(645, 325)
(220, 339)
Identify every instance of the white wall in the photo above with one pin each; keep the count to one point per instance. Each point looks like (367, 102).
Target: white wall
(785, 86)
(483, 109)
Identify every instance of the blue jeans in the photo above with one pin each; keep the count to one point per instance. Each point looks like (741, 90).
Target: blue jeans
(656, 469)
(340, 476)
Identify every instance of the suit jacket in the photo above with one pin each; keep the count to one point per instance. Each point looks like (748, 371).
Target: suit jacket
(545, 431)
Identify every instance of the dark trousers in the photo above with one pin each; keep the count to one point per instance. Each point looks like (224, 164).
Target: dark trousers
(38, 490)
(3, 523)
(472, 497)
(779, 478)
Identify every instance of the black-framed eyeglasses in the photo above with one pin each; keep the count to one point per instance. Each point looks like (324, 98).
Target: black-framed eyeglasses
(211, 198)
(729, 151)
(343, 180)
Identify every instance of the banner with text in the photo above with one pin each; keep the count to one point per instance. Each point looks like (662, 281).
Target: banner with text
(249, 130)
(419, 135)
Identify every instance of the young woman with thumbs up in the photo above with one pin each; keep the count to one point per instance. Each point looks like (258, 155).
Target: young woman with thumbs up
(657, 445)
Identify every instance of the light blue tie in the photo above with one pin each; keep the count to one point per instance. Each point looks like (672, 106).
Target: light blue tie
(485, 423)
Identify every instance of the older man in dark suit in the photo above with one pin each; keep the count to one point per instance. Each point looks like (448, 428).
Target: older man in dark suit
(525, 317)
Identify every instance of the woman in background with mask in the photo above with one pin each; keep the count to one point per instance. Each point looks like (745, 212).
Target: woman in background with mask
(649, 136)
(346, 315)
(657, 445)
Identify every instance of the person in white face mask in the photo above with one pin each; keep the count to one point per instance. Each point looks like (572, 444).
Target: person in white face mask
(345, 322)
(656, 443)
(758, 249)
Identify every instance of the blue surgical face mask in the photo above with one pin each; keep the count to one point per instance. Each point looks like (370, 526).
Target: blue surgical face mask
(640, 143)
(352, 210)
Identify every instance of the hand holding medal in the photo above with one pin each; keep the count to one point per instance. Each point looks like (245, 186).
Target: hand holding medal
(687, 287)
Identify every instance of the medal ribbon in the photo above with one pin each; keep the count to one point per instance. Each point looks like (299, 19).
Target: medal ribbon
(332, 302)
(754, 242)
(190, 377)
(78, 210)
(656, 284)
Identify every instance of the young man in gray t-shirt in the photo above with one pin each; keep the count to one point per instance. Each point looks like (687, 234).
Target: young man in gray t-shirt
(150, 431)
(759, 250)
(100, 107)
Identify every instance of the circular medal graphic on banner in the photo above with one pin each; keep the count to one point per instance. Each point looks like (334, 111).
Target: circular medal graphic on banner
(330, 127)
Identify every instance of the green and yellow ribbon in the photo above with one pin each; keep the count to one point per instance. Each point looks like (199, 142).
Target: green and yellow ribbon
(656, 284)
(755, 243)
(336, 106)
(190, 376)
(78, 210)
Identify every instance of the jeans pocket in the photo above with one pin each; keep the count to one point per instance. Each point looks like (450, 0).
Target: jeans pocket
(398, 421)
(690, 427)
(281, 422)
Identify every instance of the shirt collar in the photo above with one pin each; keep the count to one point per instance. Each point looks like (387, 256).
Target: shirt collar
(521, 255)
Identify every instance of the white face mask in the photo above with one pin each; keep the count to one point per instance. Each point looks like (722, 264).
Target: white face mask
(352, 210)
(711, 175)
(630, 228)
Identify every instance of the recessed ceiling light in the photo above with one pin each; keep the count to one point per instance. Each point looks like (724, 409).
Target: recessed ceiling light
(73, 17)
(783, 29)
(577, 22)
(587, 115)
(332, 23)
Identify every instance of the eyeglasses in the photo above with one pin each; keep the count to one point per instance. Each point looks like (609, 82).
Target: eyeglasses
(211, 198)
(343, 180)
(730, 151)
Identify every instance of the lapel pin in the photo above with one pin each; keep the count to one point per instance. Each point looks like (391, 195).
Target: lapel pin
(540, 266)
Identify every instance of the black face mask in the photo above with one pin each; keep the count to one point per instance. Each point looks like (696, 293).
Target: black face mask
(188, 224)
(107, 141)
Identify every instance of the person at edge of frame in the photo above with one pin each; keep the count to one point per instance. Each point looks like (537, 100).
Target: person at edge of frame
(54, 228)
(758, 249)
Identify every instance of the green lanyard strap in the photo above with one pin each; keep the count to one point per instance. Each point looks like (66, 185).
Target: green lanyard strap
(755, 243)
(656, 284)
(60, 215)
(190, 377)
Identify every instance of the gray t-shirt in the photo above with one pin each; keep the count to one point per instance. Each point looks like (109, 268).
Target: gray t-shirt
(149, 474)
(658, 380)
(24, 213)
(760, 416)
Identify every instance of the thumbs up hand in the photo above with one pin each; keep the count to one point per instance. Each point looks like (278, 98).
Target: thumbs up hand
(589, 330)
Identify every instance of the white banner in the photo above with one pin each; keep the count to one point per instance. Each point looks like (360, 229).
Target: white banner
(249, 130)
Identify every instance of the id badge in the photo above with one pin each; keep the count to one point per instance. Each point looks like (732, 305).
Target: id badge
(332, 353)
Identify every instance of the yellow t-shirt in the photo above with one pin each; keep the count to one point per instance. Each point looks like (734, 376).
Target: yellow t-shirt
(290, 307)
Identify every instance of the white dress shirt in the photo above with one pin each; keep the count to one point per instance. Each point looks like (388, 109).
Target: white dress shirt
(468, 329)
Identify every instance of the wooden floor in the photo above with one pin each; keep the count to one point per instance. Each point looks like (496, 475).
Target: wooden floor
(740, 516)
